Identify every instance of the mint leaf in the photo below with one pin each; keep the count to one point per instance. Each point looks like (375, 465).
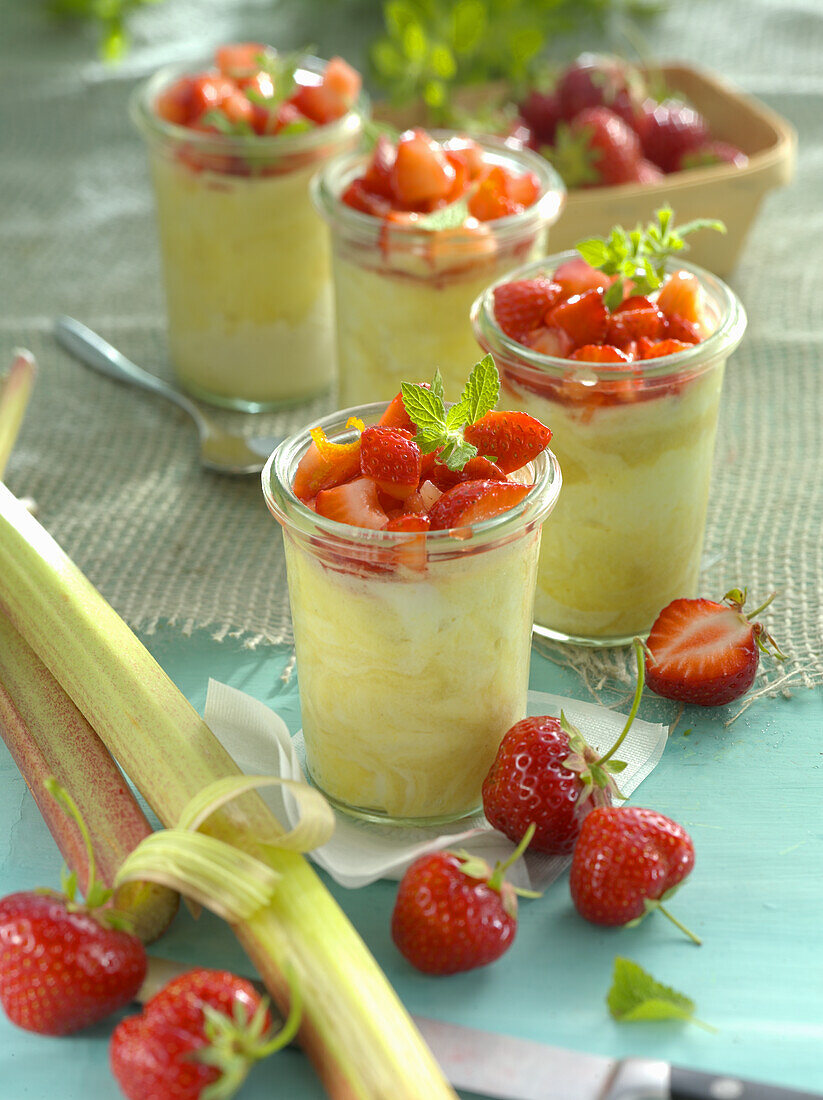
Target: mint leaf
(594, 251)
(482, 390)
(425, 406)
(447, 217)
(636, 995)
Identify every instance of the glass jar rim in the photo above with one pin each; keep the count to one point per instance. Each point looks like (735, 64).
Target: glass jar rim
(293, 514)
(721, 342)
(151, 125)
(329, 182)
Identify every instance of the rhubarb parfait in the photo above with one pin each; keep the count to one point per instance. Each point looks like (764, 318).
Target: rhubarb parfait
(245, 257)
(412, 560)
(625, 360)
(419, 227)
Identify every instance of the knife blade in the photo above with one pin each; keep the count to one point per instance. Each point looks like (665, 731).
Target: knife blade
(504, 1067)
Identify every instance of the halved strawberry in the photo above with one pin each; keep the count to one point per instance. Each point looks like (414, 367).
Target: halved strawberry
(490, 200)
(240, 59)
(421, 173)
(325, 464)
(520, 306)
(392, 459)
(665, 347)
(356, 503)
(550, 341)
(704, 652)
(678, 328)
(209, 92)
(583, 316)
(575, 276)
(476, 469)
(635, 317)
(681, 294)
(600, 353)
(511, 439)
(333, 97)
(396, 416)
(474, 501)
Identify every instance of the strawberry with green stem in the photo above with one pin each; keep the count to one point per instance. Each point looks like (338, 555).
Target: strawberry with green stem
(198, 1038)
(66, 964)
(546, 774)
(454, 913)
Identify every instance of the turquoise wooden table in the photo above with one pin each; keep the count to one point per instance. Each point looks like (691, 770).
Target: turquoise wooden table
(749, 795)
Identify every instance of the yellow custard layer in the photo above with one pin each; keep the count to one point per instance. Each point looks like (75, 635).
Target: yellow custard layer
(248, 284)
(627, 533)
(408, 681)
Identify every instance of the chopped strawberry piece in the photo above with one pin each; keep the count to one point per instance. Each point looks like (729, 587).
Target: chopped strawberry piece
(633, 318)
(583, 316)
(355, 503)
(411, 552)
(324, 465)
(511, 439)
(523, 189)
(209, 93)
(474, 501)
(678, 328)
(600, 353)
(491, 199)
(378, 175)
(240, 59)
(476, 469)
(681, 294)
(238, 108)
(520, 306)
(469, 152)
(550, 341)
(343, 81)
(665, 347)
(421, 173)
(396, 416)
(392, 459)
(358, 196)
(177, 102)
(576, 277)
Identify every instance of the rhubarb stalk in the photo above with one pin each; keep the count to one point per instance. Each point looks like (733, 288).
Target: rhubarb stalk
(15, 390)
(48, 736)
(360, 1038)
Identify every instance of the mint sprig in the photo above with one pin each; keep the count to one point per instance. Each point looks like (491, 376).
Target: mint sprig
(640, 254)
(439, 427)
(636, 995)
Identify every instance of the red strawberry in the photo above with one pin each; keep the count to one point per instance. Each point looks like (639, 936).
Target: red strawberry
(356, 503)
(491, 198)
(669, 130)
(549, 341)
(474, 501)
(575, 276)
(596, 148)
(241, 59)
(646, 172)
(453, 913)
(583, 316)
(410, 552)
(510, 439)
(681, 295)
(712, 152)
(325, 464)
(626, 861)
(541, 110)
(203, 1030)
(678, 328)
(665, 347)
(704, 652)
(633, 318)
(595, 80)
(476, 469)
(391, 458)
(420, 173)
(62, 970)
(600, 353)
(520, 306)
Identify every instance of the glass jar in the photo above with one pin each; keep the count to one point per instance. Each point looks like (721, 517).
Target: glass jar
(412, 649)
(635, 447)
(245, 257)
(403, 294)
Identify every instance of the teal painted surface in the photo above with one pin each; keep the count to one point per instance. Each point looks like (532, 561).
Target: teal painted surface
(750, 796)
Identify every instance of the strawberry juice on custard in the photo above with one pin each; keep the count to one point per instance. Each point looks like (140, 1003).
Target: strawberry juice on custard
(634, 425)
(411, 579)
(245, 256)
(419, 228)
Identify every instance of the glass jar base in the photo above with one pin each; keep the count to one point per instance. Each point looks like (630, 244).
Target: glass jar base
(614, 642)
(379, 817)
(242, 404)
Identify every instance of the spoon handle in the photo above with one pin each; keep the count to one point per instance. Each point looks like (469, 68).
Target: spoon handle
(96, 353)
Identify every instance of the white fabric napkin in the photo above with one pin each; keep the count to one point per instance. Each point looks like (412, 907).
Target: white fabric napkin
(359, 852)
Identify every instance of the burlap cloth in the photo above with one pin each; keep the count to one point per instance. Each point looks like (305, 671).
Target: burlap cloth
(114, 471)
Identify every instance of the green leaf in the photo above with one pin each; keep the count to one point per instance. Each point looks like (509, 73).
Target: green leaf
(636, 995)
(447, 217)
(482, 389)
(594, 251)
(425, 407)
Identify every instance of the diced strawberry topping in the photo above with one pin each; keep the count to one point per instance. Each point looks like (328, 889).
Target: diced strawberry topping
(240, 59)
(411, 552)
(575, 276)
(356, 503)
(633, 318)
(600, 353)
(325, 464)
(474, 501)
(583, 316)
(510, 439)
(678, 328)
(681, 295)
(421, 173)
(477, 468)
(550, 341)
(521, 305)
(665, 347)
(392, 459)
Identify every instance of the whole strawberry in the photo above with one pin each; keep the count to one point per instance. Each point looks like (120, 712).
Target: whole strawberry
(596, 148)
(65, 965)
(198, 1036)
(547, 776)
(628, 860)
(669, 130)
(704, 652)
(453, 913)
(599, 80)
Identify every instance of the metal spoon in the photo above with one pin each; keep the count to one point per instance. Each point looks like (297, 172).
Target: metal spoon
(219, 450)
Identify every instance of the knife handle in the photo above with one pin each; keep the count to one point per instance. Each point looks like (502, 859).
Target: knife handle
(691, 1084)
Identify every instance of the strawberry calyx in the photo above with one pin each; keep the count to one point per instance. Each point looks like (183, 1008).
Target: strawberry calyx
(234, 1043)
(736, 598)
(495, 879)
(596, 773)
(97, 895)
(651, 905)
